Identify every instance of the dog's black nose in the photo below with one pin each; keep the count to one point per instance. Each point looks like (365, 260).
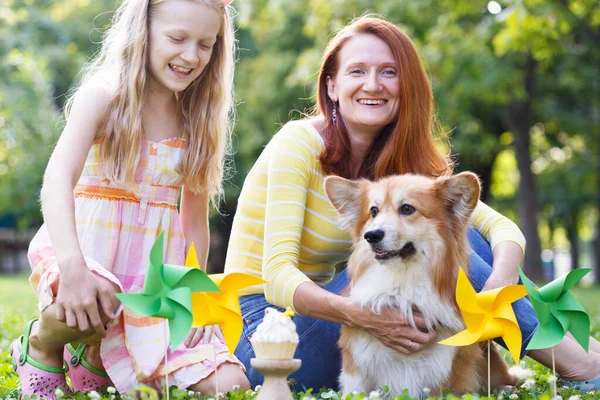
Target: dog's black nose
(374, 236)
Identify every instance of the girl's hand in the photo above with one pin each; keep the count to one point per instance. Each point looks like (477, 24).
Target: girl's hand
(394, 331)
(85, 301)
(202, 334)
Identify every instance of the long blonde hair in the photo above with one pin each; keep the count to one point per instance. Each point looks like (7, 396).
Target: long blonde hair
(204, 108)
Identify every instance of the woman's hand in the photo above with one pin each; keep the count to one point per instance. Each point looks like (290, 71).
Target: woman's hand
(85, 301)
(395, 331)
(202, 334)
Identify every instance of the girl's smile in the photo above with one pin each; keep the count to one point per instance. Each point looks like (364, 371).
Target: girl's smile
(181, 41)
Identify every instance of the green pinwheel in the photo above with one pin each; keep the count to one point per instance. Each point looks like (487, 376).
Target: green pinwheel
(167, 293)
(558, 311)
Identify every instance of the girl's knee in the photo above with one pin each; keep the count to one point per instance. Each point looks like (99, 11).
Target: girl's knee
(230, 377)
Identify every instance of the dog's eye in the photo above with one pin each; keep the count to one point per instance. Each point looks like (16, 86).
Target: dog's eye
(374, 211)
(406, 209)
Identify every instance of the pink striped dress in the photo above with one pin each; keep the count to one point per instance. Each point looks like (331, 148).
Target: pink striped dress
(116, 230)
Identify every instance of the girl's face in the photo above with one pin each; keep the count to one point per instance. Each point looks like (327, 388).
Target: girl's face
(366, 85)
(182, 34)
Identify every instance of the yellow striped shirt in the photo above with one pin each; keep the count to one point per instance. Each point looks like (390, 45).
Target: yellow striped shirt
(285, 228)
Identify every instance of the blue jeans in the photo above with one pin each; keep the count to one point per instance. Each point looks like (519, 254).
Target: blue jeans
(321, 358)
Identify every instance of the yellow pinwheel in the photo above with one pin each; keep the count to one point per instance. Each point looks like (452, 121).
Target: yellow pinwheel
(223, 309)
(488, 315)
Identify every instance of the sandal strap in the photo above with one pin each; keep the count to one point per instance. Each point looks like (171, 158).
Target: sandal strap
(24, 350)
(77, 357)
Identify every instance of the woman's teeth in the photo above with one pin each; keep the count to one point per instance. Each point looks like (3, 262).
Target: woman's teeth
(371, 102)
(183, 70)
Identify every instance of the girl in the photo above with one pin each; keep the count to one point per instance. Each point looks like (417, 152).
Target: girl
(151, 116)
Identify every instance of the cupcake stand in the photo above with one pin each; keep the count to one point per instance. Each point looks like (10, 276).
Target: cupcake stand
(275, 372)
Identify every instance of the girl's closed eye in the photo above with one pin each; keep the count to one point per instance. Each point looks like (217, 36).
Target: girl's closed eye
(176, 39)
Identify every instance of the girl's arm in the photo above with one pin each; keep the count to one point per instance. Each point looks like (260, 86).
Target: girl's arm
(508, 245)
(79, 290)
(194, 221)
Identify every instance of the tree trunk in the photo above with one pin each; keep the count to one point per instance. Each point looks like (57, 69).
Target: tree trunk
(573, 237)
(220, 232)
(520, 120)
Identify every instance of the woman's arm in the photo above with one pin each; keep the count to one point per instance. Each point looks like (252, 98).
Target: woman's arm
(508, 245)
(79, 290)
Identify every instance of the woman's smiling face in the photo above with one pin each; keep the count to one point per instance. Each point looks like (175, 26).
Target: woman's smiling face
(366, 85)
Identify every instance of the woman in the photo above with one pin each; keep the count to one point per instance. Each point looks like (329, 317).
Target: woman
(374, 119)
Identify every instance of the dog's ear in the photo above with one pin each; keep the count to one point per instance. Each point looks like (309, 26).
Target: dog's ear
(460, 194)
(344, 195)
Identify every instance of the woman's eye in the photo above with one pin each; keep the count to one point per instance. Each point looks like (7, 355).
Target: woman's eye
(374, 211)
(176, 39)
(356, 72)
(406, 209)
(206, 46)
(389, 72)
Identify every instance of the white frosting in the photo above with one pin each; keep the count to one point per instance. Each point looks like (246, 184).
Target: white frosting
(276, 328)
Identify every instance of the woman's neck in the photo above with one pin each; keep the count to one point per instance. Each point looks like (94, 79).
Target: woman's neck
(360, 144)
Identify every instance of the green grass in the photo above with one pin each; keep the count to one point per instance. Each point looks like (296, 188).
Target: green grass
(18, 305)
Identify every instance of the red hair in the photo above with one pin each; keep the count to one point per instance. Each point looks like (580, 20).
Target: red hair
(406, 145)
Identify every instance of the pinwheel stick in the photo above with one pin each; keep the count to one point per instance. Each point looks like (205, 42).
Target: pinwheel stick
(489, 381)
(166, 365)
(554, 372)
(213, 340)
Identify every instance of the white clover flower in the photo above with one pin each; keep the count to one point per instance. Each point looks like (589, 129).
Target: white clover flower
(374, 395)
(513, 396)
(426, 390)
(113, 397)
(59, 392)
(592, 392)
(236, 388)
(191, 393)
(355, 393)
(557, 397)
(575, 397)
(94, 395)
(219, 396)
(111, 390)
(551, 379)
(529, 384)
(257, 388)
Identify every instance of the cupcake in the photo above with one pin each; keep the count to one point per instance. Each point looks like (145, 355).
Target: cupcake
(275, 338)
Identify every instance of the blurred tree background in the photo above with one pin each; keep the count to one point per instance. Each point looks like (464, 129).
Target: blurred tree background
(517, 85)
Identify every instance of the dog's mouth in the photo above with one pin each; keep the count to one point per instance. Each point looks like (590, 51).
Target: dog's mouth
(406, 251)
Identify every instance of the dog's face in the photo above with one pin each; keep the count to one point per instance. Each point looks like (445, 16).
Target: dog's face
(405, 220)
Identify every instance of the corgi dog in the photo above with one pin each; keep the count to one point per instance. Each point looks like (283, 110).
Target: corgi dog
(409, 240)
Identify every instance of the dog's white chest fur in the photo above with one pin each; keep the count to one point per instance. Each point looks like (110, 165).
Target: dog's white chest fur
(377, 365)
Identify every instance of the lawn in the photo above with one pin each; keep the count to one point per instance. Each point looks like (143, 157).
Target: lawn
(17, 305)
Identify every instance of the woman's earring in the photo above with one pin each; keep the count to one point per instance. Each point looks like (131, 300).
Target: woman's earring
(334, 114)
